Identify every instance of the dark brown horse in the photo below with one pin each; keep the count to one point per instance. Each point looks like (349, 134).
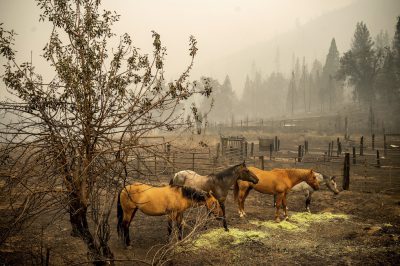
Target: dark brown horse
(277, 181)
(156, 201)
(219, 183)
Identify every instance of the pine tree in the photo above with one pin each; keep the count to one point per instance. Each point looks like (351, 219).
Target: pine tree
(290, 100)
(396, 50)
(358, 65)
(329, 72)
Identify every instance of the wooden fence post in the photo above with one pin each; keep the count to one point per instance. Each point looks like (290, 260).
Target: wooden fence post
(155, 165)
(378, 160)
(276, 143)
(329, 150)
(241, 150)
(362, 146)
(271, 147)
(299, 154)
(305, 147)
(193, 161)
(262, 161)
(279, 144)
(173, 162)
(384, 145)
(252, 149)
(218, 147)
(354, 155)
(245, 149)
(373, 141)
(332, 148)
(346, 172)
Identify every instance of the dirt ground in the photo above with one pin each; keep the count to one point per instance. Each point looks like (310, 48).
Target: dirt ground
(368, 235)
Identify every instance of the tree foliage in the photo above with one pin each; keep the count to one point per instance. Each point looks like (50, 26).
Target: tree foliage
(84, 122)
(359, 64)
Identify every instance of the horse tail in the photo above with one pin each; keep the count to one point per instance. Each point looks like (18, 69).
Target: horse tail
(120, 214)
(236, 190)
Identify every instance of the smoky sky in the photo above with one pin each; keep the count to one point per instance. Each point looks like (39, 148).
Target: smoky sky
(222, 27)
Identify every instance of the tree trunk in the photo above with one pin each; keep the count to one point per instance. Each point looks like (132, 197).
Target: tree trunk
(100, 254)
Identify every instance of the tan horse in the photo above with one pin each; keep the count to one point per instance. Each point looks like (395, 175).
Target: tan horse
(156, 201)
(276, 181)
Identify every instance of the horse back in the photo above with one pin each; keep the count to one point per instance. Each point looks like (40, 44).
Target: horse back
(271, 182)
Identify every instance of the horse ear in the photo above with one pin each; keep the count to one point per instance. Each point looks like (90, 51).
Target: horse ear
(311, 171)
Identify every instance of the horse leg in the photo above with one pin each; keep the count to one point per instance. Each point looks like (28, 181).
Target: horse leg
(128, 216)
(308, 200)
(284, 205)
(169, 226)
(242, 198)
(225, 224)
(278, 206)
(179, 219)
(274, 200)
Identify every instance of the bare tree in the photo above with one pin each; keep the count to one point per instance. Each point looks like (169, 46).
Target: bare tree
(82, 124)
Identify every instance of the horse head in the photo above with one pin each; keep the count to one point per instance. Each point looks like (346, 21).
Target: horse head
(312, 180)
(213, 205)
(331, 184)
(245, 174)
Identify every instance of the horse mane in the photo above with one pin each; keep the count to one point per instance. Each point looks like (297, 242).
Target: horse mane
(192, 193)
(226, 172)
(296, 170)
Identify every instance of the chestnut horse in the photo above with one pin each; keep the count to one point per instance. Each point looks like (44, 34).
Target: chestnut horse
(329, 181)
(219, 183)
(276, 181)
(156, 201)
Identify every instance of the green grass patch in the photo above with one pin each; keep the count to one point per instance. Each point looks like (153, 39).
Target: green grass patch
(300, 221)
(285, 225)
(219, 237)
(307, 218)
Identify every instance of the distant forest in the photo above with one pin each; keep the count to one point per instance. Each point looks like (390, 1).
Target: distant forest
(368, 75)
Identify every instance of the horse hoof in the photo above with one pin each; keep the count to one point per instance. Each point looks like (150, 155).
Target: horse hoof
(277, 220)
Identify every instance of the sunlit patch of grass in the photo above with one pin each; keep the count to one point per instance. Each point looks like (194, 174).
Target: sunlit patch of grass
(219, 237)
(307, 218)
(285, 225)
(300, 221)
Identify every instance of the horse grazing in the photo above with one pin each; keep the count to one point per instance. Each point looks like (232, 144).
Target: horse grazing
(156, 201)
(219, 183)
(330, 182)
(276, 181)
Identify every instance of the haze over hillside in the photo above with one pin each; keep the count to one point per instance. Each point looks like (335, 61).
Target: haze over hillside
(311, 40)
